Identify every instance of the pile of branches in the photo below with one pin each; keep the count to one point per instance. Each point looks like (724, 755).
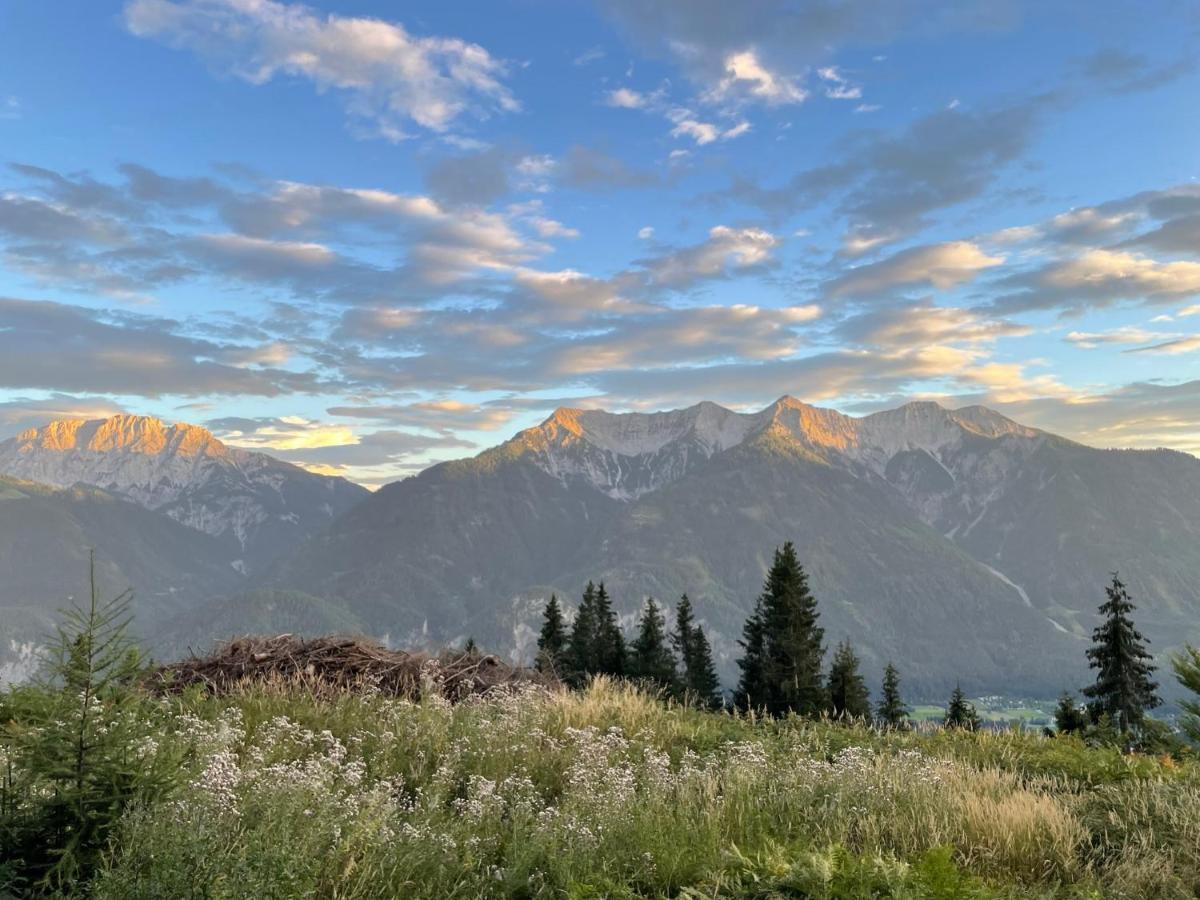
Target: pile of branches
(328, 666)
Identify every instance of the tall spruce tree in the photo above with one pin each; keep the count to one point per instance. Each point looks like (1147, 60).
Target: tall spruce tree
(650, 659)
(848, 694)
(960, 713)
(582, 660)
(698, 682)
(681, 637)
(793, 639)
(552, 641)
(1123, 690)
(703, 686)
(751, 691)
(892, 711)
(610, 642)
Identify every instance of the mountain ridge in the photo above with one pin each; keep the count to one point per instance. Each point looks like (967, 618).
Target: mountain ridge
(957, 542)
(257, 504)
(671, 437)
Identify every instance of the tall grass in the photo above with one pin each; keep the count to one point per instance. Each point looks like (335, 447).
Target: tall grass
(612, 793)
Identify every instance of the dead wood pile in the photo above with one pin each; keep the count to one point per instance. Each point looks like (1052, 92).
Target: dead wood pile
(328, 666)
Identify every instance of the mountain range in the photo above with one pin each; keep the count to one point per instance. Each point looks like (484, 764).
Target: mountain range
(957, 543)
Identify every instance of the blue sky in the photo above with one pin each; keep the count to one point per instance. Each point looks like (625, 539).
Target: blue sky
(368, 236)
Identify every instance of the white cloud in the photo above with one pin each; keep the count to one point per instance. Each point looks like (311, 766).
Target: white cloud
(745, 77)
(1126, 274)
(701, 132)
(646, 232)
(285, 253)
(686, 125)
(392, 79)
(1128, 334)
(1193, 310)
(10, 108)
(589, 56)
(552, 228)
(1173, 347)
(627, 98)
(291, 433)
(736, 131)
(837, 87)
(942, 266)
(726, 248)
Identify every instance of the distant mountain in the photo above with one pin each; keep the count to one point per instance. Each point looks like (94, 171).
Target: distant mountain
(45, 534)
(258, 507)
(958, 543)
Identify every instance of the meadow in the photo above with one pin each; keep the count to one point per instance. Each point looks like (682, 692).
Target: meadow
(608, 792)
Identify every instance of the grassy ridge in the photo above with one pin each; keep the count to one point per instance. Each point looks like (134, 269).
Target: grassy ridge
(610, 793)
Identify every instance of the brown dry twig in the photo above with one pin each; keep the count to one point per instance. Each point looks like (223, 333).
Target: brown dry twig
(327, 666)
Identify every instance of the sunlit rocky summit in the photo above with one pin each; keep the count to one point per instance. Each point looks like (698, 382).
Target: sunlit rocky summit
(956, 542)
(257, 505)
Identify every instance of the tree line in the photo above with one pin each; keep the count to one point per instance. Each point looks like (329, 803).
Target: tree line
(782, 663)
(678, 663)
(783, 657)
(781, 668)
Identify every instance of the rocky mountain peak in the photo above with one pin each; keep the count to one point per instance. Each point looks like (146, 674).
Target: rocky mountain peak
(255, 503)
(990, 423)
(121, 433)
(813, 426)
(710, 426)
(628, 454)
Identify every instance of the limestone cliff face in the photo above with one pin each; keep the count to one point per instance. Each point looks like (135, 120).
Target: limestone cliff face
(258, 506)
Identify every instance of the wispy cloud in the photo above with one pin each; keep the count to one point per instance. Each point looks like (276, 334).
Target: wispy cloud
(392, 80)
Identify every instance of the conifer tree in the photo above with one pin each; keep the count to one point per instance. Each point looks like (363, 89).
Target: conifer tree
(470, 648)
(848, 694)
(960, 713)
(610, 642)
(793, 639)
(1187, 670)
(72, 768)
(698, 680)
(1123, 689)
(650, 658)
(583, 645)
(681, 637)
(1068, 717)
(891, 712)
(751, 691)
(552, 641)
(703, 686)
